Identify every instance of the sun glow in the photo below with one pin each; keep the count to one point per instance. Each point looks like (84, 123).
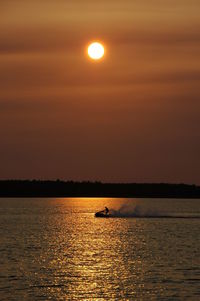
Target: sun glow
(96, 51)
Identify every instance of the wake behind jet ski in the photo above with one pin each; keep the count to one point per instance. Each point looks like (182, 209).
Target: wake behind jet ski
(103, 213)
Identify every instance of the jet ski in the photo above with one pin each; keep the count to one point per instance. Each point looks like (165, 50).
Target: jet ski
(103, 213)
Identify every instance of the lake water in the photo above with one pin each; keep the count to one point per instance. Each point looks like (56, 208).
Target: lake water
(55, 249)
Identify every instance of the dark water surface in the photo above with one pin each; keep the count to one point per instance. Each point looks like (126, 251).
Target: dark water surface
(54, 249)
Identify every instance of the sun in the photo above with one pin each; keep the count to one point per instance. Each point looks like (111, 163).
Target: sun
(96, 51)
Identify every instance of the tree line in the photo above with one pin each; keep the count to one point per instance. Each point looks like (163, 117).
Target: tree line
(58, 188)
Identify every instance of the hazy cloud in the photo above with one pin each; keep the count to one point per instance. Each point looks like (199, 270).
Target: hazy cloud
(48, 39)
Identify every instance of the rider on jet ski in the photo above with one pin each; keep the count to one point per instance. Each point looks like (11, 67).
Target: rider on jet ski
(106, 210)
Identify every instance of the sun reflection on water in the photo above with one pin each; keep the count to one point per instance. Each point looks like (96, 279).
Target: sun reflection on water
(96, 257)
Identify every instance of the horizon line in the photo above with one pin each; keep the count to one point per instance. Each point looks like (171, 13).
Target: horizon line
(97, 182)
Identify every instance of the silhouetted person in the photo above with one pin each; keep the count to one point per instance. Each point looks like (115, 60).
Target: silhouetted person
(106, 210)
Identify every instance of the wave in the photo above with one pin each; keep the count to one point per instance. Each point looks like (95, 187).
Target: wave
(137, 211)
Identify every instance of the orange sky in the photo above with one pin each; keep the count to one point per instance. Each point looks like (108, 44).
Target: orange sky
(133, 117)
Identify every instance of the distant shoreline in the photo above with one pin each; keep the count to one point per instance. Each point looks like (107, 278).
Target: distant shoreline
(38, 188)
